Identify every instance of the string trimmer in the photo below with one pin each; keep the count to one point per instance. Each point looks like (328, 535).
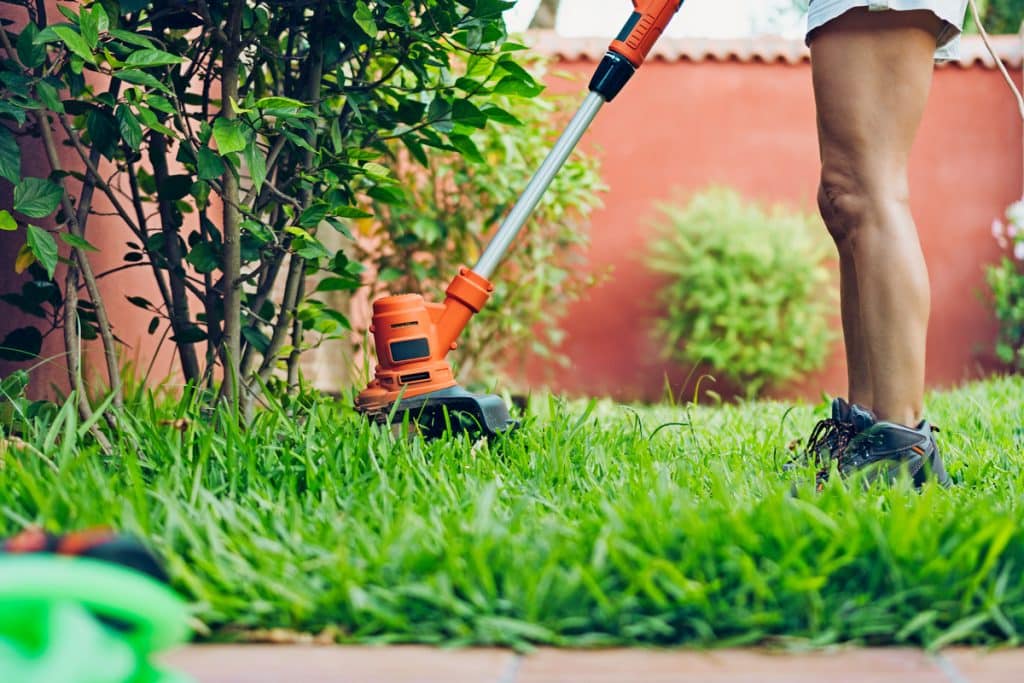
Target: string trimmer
(413, 337)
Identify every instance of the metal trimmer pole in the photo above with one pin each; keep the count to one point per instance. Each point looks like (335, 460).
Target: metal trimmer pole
(531, 197)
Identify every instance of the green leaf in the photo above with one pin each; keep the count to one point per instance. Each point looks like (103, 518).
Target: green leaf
(280, 103)
(149, 119)
(49, 96)
(77, 242)
(256, 337)
(37, 197)
(21, 344)
(499, 115)
(75, 43)
(204, 258)
(103, 130)
(397, 15)
(258, 231)
(174, 187)
(257, 164)
(511, 85)
(160, 104)
(140, 302)
(10, 156)
(153, 324)
(14, 385)
(44, 247)
(388, 194)
(310, 248)
(466, 147)
(209, 165)
(131, 131)
(150, 58)
(7, 222)
(313, 215)
(17, 114)
(30, 53)
(136, 77)
(102, 20)
(363, 16)
(229, 135)
(89, 26)
(491, 8)
(349, 212)
(193, 334)
(337, 284)
(131, 38)
(467, 113)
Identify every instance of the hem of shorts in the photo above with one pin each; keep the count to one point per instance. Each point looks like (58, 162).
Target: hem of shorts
(946, 51)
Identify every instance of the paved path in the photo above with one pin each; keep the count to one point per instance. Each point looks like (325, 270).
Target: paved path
(312, 664)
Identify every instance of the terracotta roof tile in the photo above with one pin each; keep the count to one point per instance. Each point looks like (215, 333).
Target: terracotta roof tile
(765, 49)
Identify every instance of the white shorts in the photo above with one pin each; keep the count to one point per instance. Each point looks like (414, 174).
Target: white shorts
(951, 12)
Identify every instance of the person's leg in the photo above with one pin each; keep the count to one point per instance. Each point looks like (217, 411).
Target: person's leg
(872, 74)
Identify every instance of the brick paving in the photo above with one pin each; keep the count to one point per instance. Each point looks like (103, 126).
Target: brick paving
(325, 664)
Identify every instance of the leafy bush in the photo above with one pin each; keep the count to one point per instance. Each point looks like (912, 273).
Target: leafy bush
(747, 288)
(1007, 283)
(999, 16)
(229, 136)
(455, 205)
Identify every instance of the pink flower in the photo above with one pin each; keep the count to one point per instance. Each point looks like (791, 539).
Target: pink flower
(999, 232)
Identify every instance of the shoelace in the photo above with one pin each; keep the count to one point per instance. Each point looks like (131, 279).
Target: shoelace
(825, 431)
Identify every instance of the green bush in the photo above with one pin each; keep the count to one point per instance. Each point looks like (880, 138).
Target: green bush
(747, 288)
(1007, 283)
(999, 16)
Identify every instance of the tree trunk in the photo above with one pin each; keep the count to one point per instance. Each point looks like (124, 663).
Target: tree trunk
(232, 339)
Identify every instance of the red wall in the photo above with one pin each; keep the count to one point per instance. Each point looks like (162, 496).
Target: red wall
(682, 126)
(685, 125)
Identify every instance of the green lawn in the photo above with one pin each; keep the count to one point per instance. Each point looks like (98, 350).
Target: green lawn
(593, 524)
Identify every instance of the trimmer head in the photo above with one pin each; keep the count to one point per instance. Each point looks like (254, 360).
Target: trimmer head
(453, 408)
(413, 377)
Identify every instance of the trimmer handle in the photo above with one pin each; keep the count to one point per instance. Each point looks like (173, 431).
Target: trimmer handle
(649, 20)
(628, 51)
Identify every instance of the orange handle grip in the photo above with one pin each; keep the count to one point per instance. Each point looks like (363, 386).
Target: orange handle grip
(641, 32)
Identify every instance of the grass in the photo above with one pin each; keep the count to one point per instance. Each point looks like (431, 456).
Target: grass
(594, 524)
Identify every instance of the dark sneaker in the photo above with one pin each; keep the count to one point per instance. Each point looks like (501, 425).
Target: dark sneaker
(829, 437)
(885, 449)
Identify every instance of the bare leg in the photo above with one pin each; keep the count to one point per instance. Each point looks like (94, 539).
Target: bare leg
(872, 75)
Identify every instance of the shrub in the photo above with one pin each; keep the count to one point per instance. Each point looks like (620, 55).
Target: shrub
(230, 138)
(1007, 283)
(747, 288)
(999, 16)
(455, 204)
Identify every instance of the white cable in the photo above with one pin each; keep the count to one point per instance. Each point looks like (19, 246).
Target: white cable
(999, 62)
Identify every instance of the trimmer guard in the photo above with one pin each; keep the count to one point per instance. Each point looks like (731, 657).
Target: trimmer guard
(481, 413)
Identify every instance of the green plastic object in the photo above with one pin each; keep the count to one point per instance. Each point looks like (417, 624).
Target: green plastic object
(79, 620)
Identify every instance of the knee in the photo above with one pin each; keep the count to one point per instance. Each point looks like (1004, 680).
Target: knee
(851, 202)
(843, 203)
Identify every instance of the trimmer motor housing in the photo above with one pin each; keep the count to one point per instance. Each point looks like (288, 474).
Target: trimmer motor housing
(413, 338)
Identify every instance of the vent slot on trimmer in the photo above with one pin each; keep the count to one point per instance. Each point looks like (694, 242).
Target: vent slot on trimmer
(412, 379)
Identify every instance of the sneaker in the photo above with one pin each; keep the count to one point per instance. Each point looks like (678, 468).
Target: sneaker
(885, 449)
(829, 437)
